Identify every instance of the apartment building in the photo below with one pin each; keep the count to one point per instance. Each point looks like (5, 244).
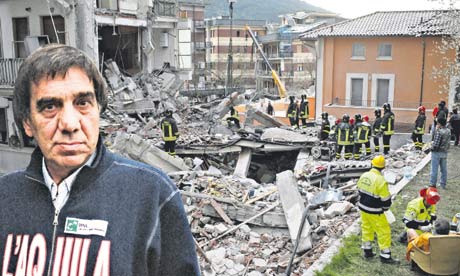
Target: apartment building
(218, 33)
(192, 43)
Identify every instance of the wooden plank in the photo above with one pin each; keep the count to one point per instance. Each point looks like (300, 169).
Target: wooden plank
(257, 198)
(221, 212)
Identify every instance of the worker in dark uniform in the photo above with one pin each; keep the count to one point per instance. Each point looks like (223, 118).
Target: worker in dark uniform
(170, 132)
(304, 110)
(387, 127)
(419, 129)
(325, 126)
(367, 144)
(361, 135)
(234, 117)
(344, 137)
(376, 131)
(292, 111)
(270, 109)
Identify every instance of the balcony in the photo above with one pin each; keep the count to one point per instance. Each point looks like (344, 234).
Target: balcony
(165, 8)
(8, 70)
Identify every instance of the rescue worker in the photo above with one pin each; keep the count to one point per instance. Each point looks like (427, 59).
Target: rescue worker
(325, 126)
(367, 144)
(419, 129)
(344, 137)
(234, 117)
(304, 110)
(374, 199)
(387, 127)
(170, 132)
(377, 132)
(420, 212)
(361, 135)
(292, 111)
(439, 111)
(270, 109)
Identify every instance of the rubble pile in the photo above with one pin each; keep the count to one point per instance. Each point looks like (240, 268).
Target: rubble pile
(245, 191)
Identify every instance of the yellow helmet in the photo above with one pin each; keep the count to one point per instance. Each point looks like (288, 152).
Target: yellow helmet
(378, 162)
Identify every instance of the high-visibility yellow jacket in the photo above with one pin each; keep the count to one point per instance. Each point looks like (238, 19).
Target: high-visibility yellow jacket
(374, 196)
(169, 129)
(417, 214)
(388, 123)
(420, 124)
(344, 134)
(235, 114)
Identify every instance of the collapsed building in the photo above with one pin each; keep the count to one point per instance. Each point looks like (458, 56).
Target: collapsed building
(245, 191)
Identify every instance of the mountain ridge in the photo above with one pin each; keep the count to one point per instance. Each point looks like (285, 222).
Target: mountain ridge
(266, 9)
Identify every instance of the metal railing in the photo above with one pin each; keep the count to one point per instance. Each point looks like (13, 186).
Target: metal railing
(375, 103)
(9, 70)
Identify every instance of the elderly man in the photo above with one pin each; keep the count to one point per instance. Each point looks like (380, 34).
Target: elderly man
(77, 208)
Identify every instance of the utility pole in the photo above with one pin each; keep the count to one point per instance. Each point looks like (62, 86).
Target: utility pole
(229, 80)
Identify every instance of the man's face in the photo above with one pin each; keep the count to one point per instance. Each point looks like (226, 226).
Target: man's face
(64, 120)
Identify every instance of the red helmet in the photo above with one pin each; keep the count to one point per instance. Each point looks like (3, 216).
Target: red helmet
(338, 121)
(352, 121)
(431, 195)
(421, 109)
(366, 118)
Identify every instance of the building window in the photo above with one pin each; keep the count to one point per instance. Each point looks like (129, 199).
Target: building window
(382, 89)
(183, 14)
(20, 31)
(358, 51)
(237, 33)
(385, 51)
(108, 4)
(356, 89)
(48, 28)
(300, 68)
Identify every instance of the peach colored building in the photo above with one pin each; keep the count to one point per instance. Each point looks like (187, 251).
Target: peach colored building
(381, 57)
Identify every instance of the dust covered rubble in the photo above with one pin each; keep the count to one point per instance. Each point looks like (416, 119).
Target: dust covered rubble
(217, 202)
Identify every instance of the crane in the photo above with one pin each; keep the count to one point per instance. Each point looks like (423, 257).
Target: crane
(276, 78)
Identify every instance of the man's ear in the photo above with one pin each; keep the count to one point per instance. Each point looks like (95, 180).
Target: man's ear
(27, 127)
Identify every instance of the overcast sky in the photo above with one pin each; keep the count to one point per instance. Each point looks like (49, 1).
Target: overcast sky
(354, 8)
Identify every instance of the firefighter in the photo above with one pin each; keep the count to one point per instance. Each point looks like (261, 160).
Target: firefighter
(292, 111)
(368, 141)
(374, 199)
(421, 212)
(419, 129)
(361, 135)
(344, 137)
(377, 132)
(270, 109)
(325, 126)
(387, 127)
(234, 117)
(304, 110)
(170, 132)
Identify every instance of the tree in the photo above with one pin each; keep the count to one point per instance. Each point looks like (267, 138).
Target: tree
(446, 22)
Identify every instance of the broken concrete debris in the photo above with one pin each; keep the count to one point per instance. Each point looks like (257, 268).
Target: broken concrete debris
(245, 190)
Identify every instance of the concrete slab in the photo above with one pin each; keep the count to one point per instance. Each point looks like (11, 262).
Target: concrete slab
(284, 135)
(142, 150)
(293, 206)
(338, 209)
(266, 120)
(244, 160)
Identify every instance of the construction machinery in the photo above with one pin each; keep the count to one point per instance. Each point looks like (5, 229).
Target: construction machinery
(276, 78)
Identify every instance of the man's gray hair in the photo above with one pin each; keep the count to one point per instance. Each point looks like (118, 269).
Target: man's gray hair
(48, 62)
